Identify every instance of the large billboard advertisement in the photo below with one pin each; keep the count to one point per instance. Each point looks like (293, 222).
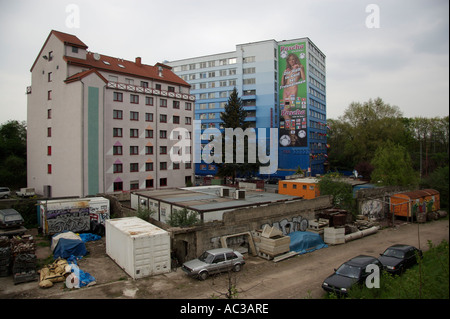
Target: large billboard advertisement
(292, 94)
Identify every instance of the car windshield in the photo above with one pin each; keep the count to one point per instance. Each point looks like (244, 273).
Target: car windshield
(393, 253)
(206, 257)
(349, 271)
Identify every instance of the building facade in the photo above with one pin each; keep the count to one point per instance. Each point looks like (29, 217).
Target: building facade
(282, 85)
(101, 124)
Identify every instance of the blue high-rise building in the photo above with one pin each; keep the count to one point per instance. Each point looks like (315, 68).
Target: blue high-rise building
(282, 85)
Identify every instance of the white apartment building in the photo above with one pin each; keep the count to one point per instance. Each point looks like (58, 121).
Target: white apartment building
(100, 124)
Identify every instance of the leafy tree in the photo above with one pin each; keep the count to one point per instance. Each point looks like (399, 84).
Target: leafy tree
(234, 117)
(13, 154)
(356, 135)
(393, 166)
(182, 218)
(342, 192)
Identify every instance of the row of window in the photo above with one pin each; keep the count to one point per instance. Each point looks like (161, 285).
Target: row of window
(149, 100)
(134, 185)
(134, 150)
(134, 116)
(134, 167)
(204, 65)
(134, 133)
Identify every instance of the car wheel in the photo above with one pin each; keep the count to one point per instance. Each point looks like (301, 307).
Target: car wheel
(237, 267)
(203, 275)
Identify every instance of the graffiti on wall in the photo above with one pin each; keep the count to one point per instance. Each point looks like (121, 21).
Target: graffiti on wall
(291, 225)
(71, 219)
(373, 209)
(99, 213)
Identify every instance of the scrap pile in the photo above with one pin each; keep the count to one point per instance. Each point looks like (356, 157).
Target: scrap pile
(5, 256)
(24, 259)
(54, 272)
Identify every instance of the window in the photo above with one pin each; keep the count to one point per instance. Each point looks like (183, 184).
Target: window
(162, 118)
(117, 132)
(149, 183)
(49, 113)
(176, 119)
(163, 103)
(134, 185)
(148, 150)
(294, 186)
(171, 89)
(49, 132)
(158, 86)
(219, 258)
(162, 134)
(284, 185)
(249, 59)
(148, 100)
(149, 117)
(134, 150)
(49, 168)
(176, 104)
(49, 95)
(118, 186)
(188, 106)
(187, 165)
(117, 114)
(134, 167)
(144, 84)
(176, 165)
(118, 96)
(148, 133)
(163, 166)
(163, 150)
(50, 77)
(117, 168)
(117, 150)
(163, 182)
(49, 150)
(74, 49)
(149, 167)
(134, 133)
(134, 98)
(50, 56)
(134, 116)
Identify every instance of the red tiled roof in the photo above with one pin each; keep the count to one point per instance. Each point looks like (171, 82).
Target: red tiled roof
(65, 38)
(121, 66)
(69, 39)
(129, 67)
(80, 75)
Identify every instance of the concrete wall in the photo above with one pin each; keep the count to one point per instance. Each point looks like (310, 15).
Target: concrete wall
(189, 243)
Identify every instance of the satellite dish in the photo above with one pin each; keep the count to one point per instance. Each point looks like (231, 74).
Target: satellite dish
(96, 56)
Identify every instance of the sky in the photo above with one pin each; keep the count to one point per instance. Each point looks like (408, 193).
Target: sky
(397, 50)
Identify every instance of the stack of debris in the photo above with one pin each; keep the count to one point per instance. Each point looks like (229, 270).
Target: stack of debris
(362, 222)
(271, 242)
(23, 251)
(5, 256)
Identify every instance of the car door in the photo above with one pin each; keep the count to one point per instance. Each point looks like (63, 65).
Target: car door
(410, 257)
(219, 263)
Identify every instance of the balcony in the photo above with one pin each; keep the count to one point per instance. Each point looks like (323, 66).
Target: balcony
(150, 91)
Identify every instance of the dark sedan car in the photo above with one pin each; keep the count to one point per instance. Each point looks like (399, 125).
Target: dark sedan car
(397, 258)
(348, 274)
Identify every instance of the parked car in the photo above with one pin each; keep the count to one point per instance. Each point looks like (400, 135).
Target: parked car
(10, 218)
(214, 261)
(348, 274)
(5, 192)
(26, 192)
(397, 258)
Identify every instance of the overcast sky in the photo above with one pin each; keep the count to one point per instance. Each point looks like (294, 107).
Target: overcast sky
(396, 50)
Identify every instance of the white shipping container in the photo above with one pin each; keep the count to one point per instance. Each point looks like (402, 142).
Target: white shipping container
(138, 247)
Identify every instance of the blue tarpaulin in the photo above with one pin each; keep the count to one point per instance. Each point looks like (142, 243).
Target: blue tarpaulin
(304, 242)
(67, 247)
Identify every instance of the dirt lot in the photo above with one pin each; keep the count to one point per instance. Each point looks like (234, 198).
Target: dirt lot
(295, 278)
